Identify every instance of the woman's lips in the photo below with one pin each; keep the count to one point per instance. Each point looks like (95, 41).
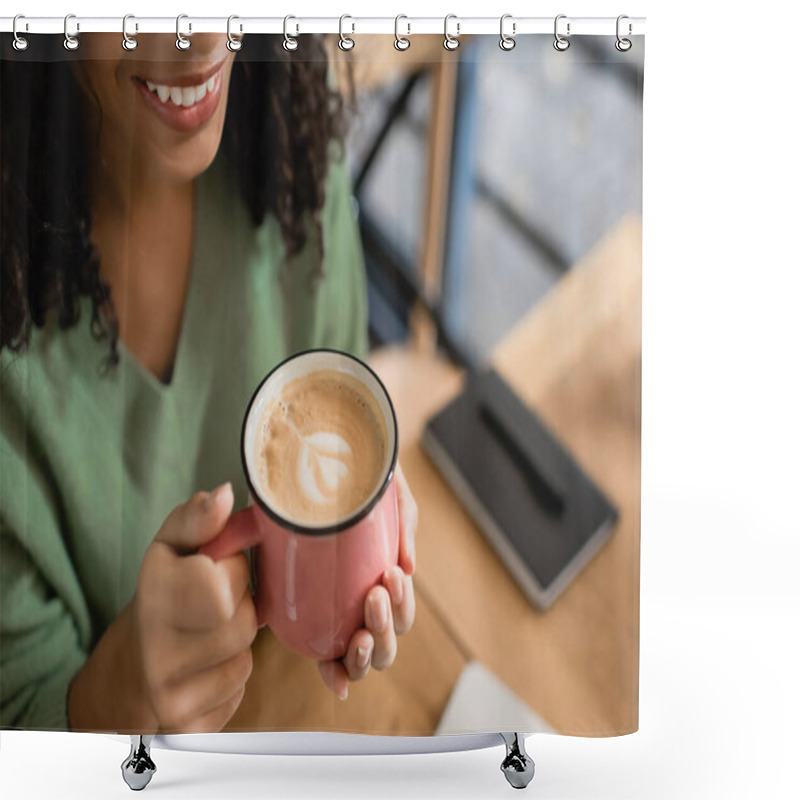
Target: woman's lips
(182, 107)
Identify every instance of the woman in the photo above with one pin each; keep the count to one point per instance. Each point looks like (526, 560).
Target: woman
(148, 283)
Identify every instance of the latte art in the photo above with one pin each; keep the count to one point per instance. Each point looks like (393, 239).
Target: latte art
(322, 466)
(322, 446)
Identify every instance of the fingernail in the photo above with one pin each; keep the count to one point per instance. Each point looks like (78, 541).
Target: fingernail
(208, 504)
(343, 694)
(380, 615)
(363, 656)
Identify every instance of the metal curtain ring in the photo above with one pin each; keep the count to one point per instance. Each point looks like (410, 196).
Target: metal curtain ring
(70, 42)
(20, 42)
(233, 44)
(400, 42)
(289, 42)
(451, 42)
(345, 42)
(560, 43)
(182, 43)
(623, 45)
(507, 42)
(128, 42)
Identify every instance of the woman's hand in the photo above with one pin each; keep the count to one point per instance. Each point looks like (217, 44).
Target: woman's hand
(194, 620)
(388, 609)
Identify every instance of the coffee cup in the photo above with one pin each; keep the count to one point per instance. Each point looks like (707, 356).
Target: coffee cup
(319, 545)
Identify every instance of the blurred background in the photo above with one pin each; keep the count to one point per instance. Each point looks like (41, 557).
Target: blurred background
(498, 196)
(482, 176)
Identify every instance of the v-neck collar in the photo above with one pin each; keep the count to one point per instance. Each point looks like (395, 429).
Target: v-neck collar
(131, 362)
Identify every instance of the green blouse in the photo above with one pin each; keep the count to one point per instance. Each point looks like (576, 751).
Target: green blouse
(91, 464)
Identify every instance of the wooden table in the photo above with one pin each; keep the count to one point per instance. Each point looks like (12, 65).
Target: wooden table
(576, 358)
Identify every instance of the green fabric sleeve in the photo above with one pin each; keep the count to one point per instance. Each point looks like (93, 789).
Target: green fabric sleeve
(39, 648)
(42, 643)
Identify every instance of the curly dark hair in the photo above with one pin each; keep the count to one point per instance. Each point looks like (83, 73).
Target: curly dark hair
(282, 116)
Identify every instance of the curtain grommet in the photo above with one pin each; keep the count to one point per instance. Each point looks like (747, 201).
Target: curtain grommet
(233, 44)
(451, 42)
(401, 43)
(289, 42)
(20, 43)
(71, 42)
(622, 44)
(507, 42)
(182, 42)
(560, 42)
(346, 43)
(129, 43)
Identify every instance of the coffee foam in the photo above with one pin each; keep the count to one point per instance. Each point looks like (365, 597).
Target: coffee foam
(320, 447)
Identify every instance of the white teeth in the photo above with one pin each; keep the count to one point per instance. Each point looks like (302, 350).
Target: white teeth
(185, 96)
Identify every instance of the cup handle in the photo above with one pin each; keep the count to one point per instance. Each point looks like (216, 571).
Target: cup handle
(239, 533)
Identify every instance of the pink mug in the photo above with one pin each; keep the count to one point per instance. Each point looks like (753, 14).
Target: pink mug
(311, 581)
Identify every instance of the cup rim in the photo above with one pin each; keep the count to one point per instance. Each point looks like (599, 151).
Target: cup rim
(362, 511)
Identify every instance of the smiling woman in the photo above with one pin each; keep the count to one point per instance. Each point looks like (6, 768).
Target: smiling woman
(205, 523)
(177, 97)
(149, 153)
(183, 220)
(84, 140)
(185, 101)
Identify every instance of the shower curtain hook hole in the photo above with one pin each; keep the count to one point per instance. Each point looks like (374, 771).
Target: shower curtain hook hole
(129, 42)
(561, 43)
(451, 42)
(182, 42)
(346, 43)
(290, 42)
(622, 44)
(401, 43)
(507, 42)
(71, 42)
(20, 43)
(233, 44)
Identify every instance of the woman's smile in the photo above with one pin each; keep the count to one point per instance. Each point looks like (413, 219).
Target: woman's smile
(165, 112)
(182, 102)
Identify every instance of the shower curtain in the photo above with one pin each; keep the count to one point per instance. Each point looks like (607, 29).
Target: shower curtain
(464, 225)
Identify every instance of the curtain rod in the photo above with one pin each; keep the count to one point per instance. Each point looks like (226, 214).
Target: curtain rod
(298, 24)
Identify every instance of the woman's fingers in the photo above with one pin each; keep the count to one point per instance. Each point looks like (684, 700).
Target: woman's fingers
(378, 615)
(409, 517)
(388, 610)
(197, 651)
(216, 720)
(401, 591)
(359, 654)
(178, 706)
(198, 520)
(334, 676)
(195, 592)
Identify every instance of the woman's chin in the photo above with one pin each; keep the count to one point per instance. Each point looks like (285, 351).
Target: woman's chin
(184, 162)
